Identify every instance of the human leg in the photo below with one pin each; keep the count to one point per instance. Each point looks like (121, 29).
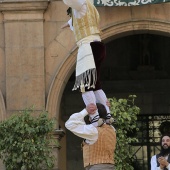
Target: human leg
(88, 167)
(101, 98)
(93, 95)
(99, 53)
(89, 97)
(100, 167)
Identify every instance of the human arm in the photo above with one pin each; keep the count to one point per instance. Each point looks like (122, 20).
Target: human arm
(75, 4)
(168, 167)
(68, 24)
(77, 125)
(65, 25)
(108, 103)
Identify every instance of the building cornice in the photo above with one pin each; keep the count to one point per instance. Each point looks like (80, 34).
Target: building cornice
(23, 5)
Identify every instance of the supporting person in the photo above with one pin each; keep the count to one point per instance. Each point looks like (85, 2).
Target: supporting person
(99, 142)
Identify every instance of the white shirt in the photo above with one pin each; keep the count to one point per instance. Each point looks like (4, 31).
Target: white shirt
(77, 125)
(154, 164)
(70, 24)
(79, 7)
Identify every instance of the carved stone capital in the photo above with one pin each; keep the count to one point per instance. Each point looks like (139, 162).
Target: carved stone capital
(59, 133)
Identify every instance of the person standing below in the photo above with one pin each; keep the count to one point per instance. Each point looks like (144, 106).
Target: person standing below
(85, 24)
(99, 142)
(161, 161)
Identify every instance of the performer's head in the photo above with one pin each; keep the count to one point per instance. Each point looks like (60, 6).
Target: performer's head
(69, 11)
(165, 144)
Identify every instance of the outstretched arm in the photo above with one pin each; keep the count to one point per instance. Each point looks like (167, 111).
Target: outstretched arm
(68, 24)
(77, 125)
(65, 25)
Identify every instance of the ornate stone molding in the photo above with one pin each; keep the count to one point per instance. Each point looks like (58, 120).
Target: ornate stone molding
(23, 5)
(57, 135)
(136, 26)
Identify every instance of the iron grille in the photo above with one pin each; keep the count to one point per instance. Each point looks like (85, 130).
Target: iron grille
(149, 137)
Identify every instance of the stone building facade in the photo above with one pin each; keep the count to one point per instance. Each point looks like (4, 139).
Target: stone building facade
(37, 57)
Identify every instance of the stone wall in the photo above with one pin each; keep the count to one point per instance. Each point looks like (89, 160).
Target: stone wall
(38, 57)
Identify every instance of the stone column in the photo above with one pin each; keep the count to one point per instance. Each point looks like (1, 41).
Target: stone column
(24, 52)
(58, 134)
(2, 56)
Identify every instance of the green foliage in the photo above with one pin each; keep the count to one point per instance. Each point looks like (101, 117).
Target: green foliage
(25, 141)
(125, 112)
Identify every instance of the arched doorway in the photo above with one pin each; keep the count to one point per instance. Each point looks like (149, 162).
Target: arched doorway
(60, 100)
(108, 34)
(130, 68)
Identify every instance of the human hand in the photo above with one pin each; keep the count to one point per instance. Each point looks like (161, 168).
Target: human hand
(91, 108)
(161, 166)
(163, 162)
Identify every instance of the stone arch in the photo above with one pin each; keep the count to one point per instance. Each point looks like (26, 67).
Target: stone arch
(109, 33)
(58, 84)
(2, 107)
(134, 27)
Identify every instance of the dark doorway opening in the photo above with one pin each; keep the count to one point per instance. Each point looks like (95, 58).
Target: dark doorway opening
(135, 64)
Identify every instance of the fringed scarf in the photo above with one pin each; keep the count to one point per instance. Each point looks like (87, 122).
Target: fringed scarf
(86, 75)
